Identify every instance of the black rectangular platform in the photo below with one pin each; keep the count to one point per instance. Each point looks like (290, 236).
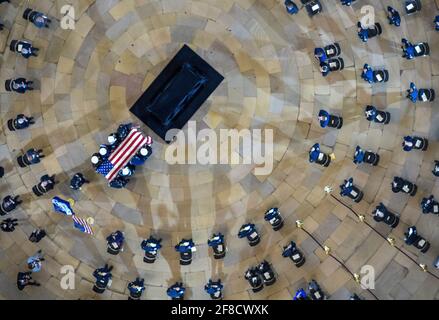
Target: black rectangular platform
(177, 93)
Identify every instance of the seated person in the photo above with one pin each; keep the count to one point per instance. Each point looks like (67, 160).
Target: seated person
(22, 122)
(34, 156)
(39, 19)
(393, 16)
(347, 2)
(21, 85)
(123, 131)
(362, 32)
(436, 168)
(26, 49)
(324, 69)
(320, 55)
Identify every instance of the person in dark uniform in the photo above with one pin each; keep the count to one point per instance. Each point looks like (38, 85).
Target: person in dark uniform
(367, 73)
(291, 7)
(185, 247)
(19, 85)
(115, 242)
(78, 181)
(214, 289)
(347, 2)
(430, 205)
(24, 48)
(37, 235)
(151, 246)
(176, 291)
(20, 122)
(436, 23)
(39, 20)
(362, 32)
(401, 185)
(412, 142)
(96, 160)
(382, 214)
(119, 183)
(324, 69)
(103, 277)
(2, 172)
(113, 140)
(412, 238)
(408, 49)
(136, 289)
(217, 243)
(123, 131)
(9, 204)
(141, 156)
(24, 279)
(436, 168)
(329, 120)
(31, 157)
(127, 171)
(413, 93)
(47, 183)
(8, 225)
(249, 231)
(393, 16)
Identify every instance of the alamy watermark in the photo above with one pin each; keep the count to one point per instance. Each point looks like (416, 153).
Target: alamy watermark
(367, 16)
(231, 146)
(68, 20)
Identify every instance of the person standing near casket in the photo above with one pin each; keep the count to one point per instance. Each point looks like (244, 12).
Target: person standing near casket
(141, 156)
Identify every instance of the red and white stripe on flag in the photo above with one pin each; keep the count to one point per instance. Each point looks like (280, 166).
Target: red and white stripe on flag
(125, 151)
(86, 228)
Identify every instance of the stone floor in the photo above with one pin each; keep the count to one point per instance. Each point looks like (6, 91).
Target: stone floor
(88, 78)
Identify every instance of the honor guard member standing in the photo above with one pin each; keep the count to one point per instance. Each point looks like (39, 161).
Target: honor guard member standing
(24, 279)
(39, 20)
(249, 231)
(436, 23)
(47, 183)
(214, 289)
(19, 85)
(115, 243)
(176, 291)
(103, 278)
(20, 122)
(136, 289)
(393, 16)
(9, 204)
(8, 225)
(328, 120)
(141, 156)
(151, 246)
(217, 243)
(78, 181)
(31, 157)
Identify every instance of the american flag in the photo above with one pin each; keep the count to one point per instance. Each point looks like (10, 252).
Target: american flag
(82, 225)
(123, 154)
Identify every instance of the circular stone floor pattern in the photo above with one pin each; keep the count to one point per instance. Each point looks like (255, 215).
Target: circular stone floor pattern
(88, 78)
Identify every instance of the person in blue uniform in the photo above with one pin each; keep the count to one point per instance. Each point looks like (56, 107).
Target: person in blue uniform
(413, 93)
(323, 118)
(26, 49)
(78, 181)
(151, 244)
(22, 122)
(136, 288)
(124, 130)
(216, 240)
(347, 187)
(103, 276)
(408, 49)
(362, 32)
(314, 153)
(34, 263)
(176, 291)
(408, 143)
(359, 155)
(185, 246)
(214, 289)
(40, 20)
(34, 156)
(21, 85)
(127, 171)
(367, 73)
(141, 156)
(118, 183)
(24, 279)
(436, 23)
(370, 113)
(393, 16)
(115, 241)
(301, 295)
(246, 230)
(9, 204)
(436, 168)
(429, 205)
(320, 55)
(382, 214)
(347, 2)
(291, 7)
(324, 69)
